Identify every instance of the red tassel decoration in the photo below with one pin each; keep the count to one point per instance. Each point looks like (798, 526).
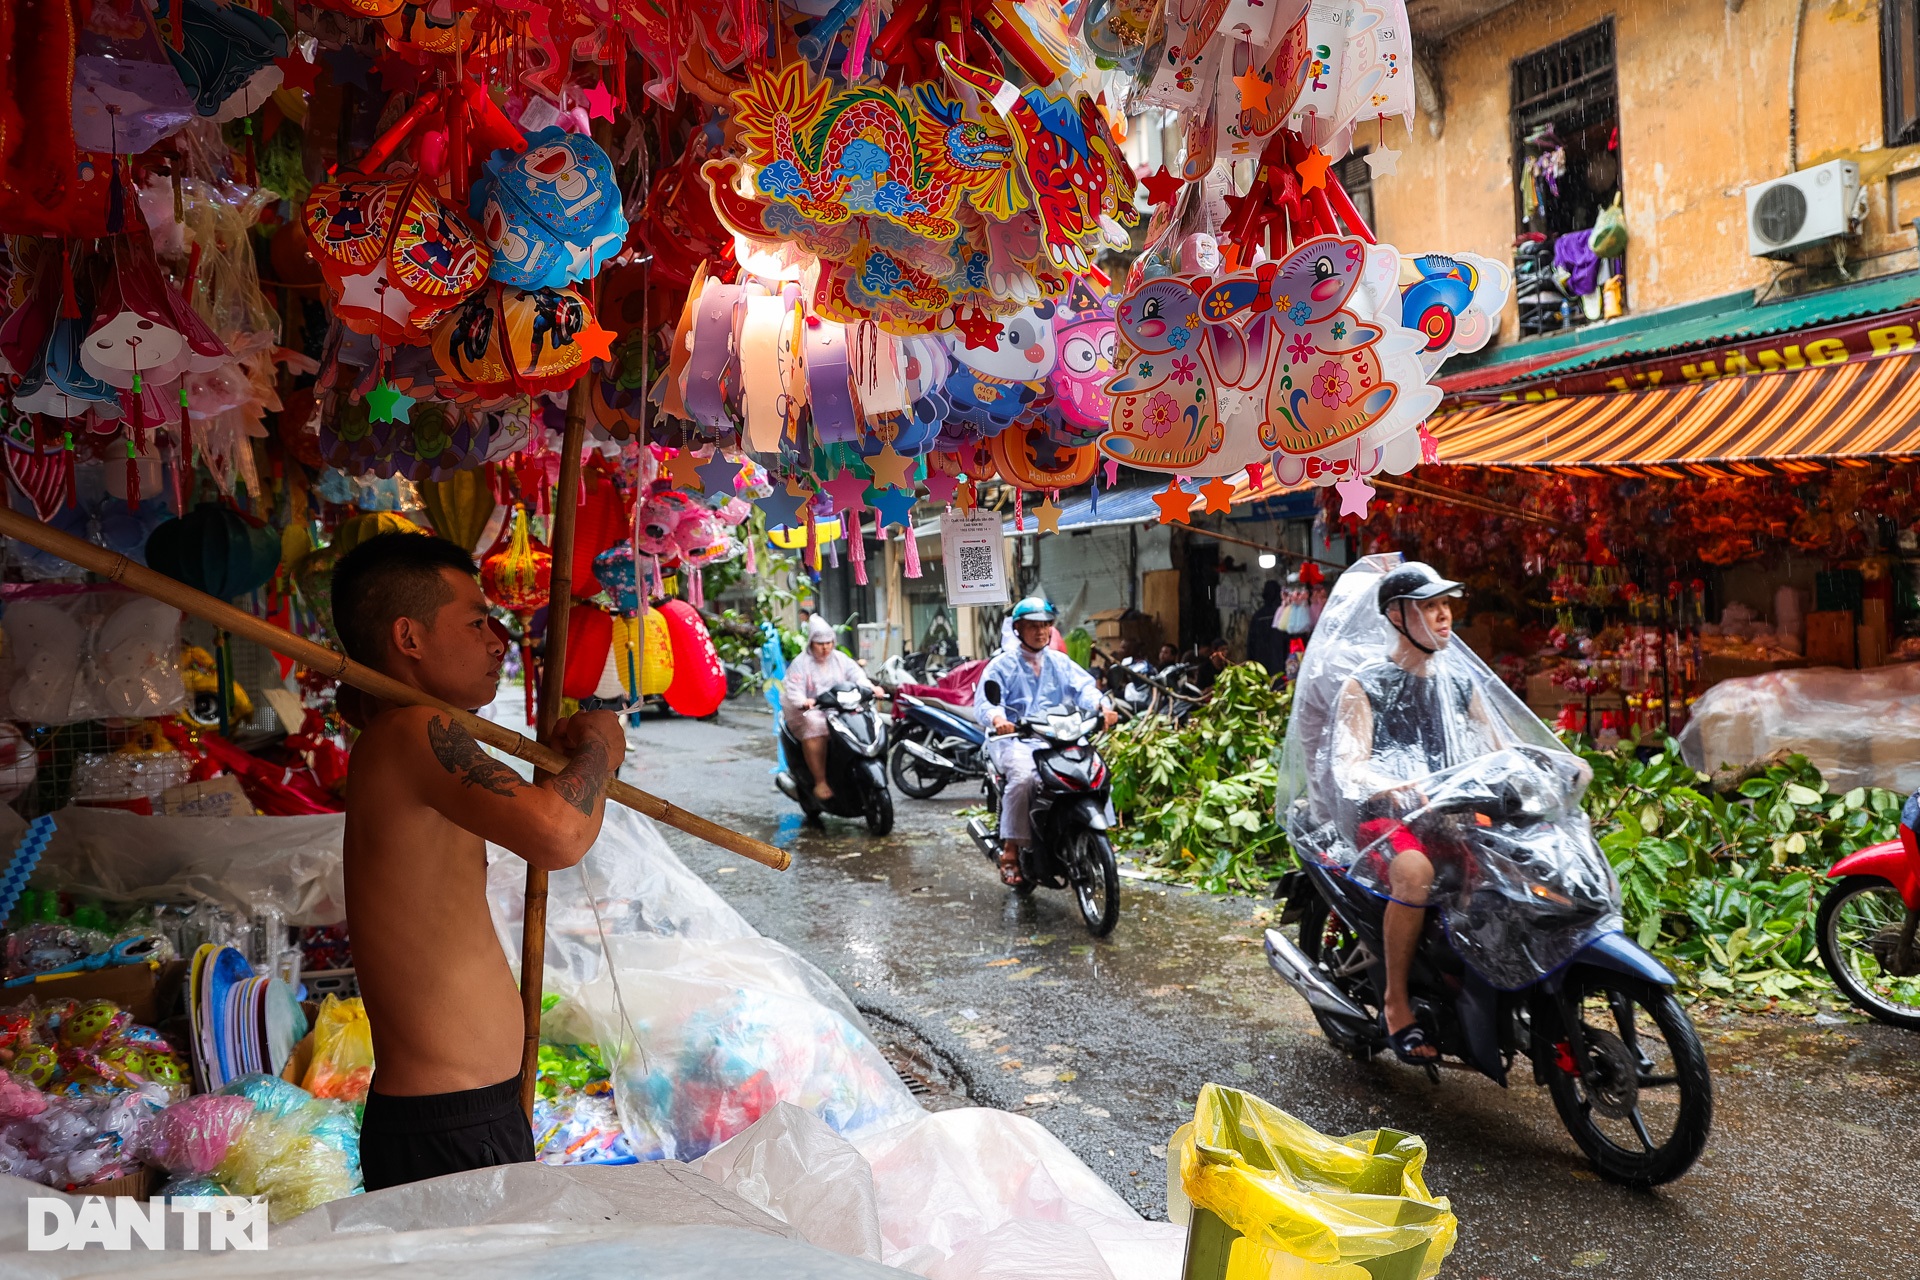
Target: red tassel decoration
(73, 492)
(1019, 511)
(913, 554)
(133, 478)
(857, 548)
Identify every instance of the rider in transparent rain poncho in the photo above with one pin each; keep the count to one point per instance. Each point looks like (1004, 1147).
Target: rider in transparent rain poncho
(1413, 768)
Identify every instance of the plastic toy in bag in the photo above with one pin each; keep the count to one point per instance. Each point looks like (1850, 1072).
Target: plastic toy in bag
(191, 1137)
(77, 1141)
(291, 1150)
(1277, 1197)
(342, 1051)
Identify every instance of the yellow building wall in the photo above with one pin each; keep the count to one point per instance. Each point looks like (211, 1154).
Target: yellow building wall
(1703, 115)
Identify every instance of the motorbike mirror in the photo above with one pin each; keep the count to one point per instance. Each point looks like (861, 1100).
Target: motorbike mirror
(993, 691)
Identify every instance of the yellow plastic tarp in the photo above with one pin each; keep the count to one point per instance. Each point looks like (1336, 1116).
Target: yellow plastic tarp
(1308, 1205)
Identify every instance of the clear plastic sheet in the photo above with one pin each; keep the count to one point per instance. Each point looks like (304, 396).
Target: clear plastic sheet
(249, 865)
(1859, 728)
(1435, 753)
(90, 653)
(1308, 1205)
(794, 1167)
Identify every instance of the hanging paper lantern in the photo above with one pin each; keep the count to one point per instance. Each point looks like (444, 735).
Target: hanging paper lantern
(1025, 455)
(519, 579)
(217, 550)
(225, 55)
(613, 569)
(654, 666)
(699, 681)
(459, 506)
(508, 342)
(394, 257)
(794, 537)
(660, 517)
(605, 519)
(551, 214)
(589, 641)
(357, 529)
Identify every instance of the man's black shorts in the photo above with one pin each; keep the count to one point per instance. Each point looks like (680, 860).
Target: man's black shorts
(407, 1139)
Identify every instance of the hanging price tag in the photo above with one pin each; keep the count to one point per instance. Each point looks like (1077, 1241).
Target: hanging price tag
(974, 548)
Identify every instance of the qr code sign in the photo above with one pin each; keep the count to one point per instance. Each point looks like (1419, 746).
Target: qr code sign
(976, 564)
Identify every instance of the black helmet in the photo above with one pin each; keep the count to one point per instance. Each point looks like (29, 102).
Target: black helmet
(1415, 581)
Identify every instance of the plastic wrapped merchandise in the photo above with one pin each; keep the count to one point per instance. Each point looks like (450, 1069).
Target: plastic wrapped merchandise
(1281, 1198)
(803, 1173)
(90, 653)
(1859, 728)
(191, 1138)
(1404, 742)
(292, 1151)
(342, 1051)
(78, 1141)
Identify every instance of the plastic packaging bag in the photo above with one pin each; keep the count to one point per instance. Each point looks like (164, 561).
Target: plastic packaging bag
(191, 1138)
(1283, 1188)
(296, 1151)
(91, 653)
(342, 1051)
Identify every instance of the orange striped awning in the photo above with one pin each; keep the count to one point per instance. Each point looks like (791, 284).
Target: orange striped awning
(1768, 422)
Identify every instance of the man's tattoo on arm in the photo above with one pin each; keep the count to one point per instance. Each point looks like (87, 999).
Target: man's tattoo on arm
(579, 783)
(460, 755)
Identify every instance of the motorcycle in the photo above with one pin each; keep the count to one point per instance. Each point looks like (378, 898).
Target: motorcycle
(1070, 815)
(856, 749)
(1867, 924)
(1594, 1013)
(935, 744)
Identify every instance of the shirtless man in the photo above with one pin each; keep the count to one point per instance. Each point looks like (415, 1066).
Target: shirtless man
(422, 800)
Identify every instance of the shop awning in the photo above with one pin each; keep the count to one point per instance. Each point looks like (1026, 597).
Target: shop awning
(1761, 422)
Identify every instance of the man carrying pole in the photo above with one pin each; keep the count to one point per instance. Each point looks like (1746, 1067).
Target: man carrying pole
(422, 801)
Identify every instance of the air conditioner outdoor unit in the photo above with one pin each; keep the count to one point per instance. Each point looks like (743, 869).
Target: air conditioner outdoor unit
(1805, 208)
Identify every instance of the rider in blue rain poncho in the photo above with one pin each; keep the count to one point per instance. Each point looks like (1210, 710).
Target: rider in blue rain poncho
(1032, 677)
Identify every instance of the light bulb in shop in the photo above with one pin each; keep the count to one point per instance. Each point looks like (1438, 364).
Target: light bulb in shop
(1268, 560)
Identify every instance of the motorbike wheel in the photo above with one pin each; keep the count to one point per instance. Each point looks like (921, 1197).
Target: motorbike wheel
(1096, 881)
(1643, 1115)
(1859, 929)
(879, 811)
(914, 776)
(1327, 941)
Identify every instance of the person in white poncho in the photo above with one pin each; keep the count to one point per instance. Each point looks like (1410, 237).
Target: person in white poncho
(811, 674)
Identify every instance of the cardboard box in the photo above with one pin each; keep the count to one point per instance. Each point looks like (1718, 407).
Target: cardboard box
(1139, 630)
(1830, 638)
(140, 1185)
(148, 993)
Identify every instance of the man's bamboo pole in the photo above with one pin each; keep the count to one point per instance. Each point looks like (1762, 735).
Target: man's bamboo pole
(330, 662)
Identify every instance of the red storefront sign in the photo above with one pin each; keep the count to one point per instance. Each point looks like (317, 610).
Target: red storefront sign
(1863, 338)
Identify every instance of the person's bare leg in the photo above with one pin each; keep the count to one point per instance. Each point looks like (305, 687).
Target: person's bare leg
(1009, 861)
(816, 749)
(1410, 877)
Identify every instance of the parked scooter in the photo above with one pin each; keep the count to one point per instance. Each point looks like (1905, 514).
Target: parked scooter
(1070, 815)
(1605, 1035)
(935, 744)
(1868, 921)
(856, 751)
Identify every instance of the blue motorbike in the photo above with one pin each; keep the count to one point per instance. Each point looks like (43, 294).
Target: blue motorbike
(935, 744)
(1527, 960)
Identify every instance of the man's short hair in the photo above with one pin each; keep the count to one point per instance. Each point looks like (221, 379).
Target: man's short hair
(391, 575)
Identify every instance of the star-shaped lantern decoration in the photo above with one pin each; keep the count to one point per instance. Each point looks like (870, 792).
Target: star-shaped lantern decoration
(1256, 475)
(980, 331)
(1218, 493)
(1047, 515)
(940, 486)
(848, 492)
(892, 469)
(1254, 89)
(1162, 186)
(1313, 170)
(1355, 493)
(348, 66)
(718, 475)
(1382, 161)
(596, 341)
(895, 506)
(387, 403)
(599, 102)
(296, 72)
(1174, 503)
(684, 470)
(784, 504)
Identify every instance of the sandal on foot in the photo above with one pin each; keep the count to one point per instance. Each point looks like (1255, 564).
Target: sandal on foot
(1407, 1040)
(1010, 873)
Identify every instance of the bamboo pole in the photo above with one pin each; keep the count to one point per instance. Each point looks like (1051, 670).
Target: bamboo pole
(330, 662)
(553, 678)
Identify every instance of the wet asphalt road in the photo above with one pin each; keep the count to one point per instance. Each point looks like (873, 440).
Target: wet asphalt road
(1813, 1169)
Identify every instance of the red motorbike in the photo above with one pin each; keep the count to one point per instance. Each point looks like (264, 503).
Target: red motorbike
(1868, 921)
